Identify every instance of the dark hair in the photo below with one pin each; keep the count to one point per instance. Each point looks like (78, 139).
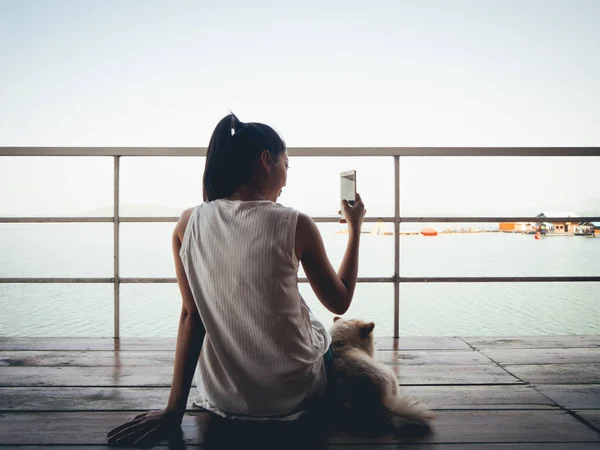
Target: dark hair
(232, 153)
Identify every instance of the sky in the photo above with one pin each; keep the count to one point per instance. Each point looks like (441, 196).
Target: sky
(378, 73)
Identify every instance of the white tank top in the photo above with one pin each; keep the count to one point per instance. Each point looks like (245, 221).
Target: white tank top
(262, 355)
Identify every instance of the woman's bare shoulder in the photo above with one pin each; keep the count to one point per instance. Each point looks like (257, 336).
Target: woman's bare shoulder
(183, 221)
(305, 225)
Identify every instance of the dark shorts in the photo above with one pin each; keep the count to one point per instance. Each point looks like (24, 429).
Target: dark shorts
(328, 360)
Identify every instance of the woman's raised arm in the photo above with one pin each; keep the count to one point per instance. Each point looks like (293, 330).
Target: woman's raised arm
(334, 290)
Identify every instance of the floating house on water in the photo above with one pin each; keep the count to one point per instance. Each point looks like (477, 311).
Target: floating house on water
(588, 229)
(559, 228)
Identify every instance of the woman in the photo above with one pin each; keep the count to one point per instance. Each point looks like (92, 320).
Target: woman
(258, 350)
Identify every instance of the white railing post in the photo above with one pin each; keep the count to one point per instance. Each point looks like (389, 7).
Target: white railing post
(396, 246)
(116, 283)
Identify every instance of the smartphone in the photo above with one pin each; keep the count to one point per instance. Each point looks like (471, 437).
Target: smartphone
(348, 186)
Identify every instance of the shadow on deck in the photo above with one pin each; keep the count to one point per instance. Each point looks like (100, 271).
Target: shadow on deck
(490, 393)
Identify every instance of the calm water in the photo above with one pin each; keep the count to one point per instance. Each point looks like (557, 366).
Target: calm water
(85, 250)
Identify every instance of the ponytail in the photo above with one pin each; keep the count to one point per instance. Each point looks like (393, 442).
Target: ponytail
(232, 153)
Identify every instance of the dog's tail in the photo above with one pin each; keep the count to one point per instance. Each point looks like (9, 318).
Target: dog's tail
(408, 410)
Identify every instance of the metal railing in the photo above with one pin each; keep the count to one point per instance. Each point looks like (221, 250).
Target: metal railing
(396, 153)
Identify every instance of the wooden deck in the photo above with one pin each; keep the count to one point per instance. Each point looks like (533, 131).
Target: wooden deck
(538, 393)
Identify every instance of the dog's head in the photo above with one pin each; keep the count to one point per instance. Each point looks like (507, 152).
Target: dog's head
(353, 333)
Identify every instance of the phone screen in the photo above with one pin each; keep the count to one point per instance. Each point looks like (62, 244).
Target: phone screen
(348, 180)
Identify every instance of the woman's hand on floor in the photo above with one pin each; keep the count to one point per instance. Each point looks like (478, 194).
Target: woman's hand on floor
(145, 429)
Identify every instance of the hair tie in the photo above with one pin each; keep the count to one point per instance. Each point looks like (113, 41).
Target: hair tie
(236, 124)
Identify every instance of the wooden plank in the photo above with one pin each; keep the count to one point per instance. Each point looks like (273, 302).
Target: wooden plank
(163, 357)
(86, 376)
(412, 446)
(84, 399)
(501, 426)
(544, 356)
(468, 446)
(592, 417)
(89, 344)
(77, 358)
(122, 376)
(150, 344)
(432, 357)
(479, 397)
(557, 373)
(421, 343)
(570, 341)
(577, 396)
(383, 343)
(140, 399)
(200, 428)
(458, 374)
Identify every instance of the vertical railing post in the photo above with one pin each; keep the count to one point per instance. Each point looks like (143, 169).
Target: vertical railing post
(116, 333)
(396, 246)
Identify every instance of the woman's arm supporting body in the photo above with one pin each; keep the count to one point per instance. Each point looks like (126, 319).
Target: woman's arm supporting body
(190, 335)
(153, 426)
(334, 290)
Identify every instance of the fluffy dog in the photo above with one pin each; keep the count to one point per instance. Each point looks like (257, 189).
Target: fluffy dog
(363, 391)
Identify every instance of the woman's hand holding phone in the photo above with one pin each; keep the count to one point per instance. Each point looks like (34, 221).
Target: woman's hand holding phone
(353, 215)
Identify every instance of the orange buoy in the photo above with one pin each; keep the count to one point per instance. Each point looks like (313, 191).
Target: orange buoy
(429, 232)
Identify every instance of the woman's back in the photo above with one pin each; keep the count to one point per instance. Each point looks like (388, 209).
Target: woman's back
(258, 347)
(262, 354)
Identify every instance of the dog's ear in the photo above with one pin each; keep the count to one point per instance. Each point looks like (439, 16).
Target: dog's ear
(366, 329)
(336, 318)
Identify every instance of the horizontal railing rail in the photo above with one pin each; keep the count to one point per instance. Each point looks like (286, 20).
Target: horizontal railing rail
(425, 219)
(395, 152)
(308, 151)
(128, 280)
